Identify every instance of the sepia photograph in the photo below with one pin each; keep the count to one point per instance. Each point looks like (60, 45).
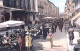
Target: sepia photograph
(39, 25)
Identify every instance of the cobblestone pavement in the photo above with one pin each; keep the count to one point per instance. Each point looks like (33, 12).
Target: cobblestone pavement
(59, 41)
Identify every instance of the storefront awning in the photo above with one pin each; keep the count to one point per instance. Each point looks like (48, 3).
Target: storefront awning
(76, 16)
(12, 9)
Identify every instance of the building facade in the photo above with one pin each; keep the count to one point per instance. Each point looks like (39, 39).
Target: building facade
(23, 10)
(69, 8)
(47, 9)
(74, 7)
(77, 7)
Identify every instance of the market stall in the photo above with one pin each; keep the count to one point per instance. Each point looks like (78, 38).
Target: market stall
(11, 23)
(12, 42)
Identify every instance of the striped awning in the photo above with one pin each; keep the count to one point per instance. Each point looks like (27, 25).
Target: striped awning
(76, 16)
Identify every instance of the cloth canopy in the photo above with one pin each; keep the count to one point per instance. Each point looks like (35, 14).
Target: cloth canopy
(48, 18)
(78, 21)
(76, 16)
(11, 23)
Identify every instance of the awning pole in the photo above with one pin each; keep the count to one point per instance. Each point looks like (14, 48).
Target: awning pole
(10, 15)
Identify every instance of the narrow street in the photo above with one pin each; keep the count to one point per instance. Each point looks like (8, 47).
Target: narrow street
(59, 42)
(22, 23)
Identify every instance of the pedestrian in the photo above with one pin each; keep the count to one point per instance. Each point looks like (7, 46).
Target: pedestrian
(60, 24)
(55, 25)
(53, 28)
(23, 40)
(28, 41)
(20, 42)
(44, 32)
(66, 27)
(71, 35)
(7, 36)
(51, 37)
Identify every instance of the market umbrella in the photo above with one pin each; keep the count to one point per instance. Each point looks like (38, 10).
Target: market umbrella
(78, 21)
(48, 18)
(11, 23)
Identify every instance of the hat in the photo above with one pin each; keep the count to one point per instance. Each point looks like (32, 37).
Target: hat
(27, 33)
(26, 29)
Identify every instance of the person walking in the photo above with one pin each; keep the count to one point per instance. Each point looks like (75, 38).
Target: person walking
(71, 35)
(23, 41)
(45, 32)
(51, 37)
(60, 23)
(66, 27)
(20, 42)
(28, 41)
(53, 28)
(55, 25)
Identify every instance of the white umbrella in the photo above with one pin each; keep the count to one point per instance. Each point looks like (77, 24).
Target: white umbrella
(78, 21)
(11, 23)
(3, 25)
(48, 18)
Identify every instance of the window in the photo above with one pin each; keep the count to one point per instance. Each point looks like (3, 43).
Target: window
(6, 3)
(19, 3)
(68, 9)
(45, 3)
(23, 4)
(73, 6)
(12, 3)
(40, 2)
(27, 5)
(33, 4)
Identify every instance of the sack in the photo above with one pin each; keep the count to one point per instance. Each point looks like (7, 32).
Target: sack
(48, 37)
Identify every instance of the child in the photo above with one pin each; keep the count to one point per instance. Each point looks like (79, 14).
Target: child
(51, 37)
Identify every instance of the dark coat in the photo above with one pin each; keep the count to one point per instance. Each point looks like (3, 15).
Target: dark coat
(71, 35)
(44, 32)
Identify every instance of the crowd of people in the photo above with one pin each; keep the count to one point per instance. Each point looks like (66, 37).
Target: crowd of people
(20, 40)
(25, 37)
(53, 26)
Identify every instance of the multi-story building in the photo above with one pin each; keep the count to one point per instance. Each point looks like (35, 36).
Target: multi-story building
(56, 12)
(24, 10)
(69, 8)
(72, 9)
(77, 6)
(47, 9)
(51, 10)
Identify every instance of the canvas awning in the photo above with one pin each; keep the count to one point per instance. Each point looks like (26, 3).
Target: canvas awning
(48, 18)
(78, 21)
(76, 16)
(11, 23)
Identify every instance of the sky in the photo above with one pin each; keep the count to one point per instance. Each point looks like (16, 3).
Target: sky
(60, 4)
